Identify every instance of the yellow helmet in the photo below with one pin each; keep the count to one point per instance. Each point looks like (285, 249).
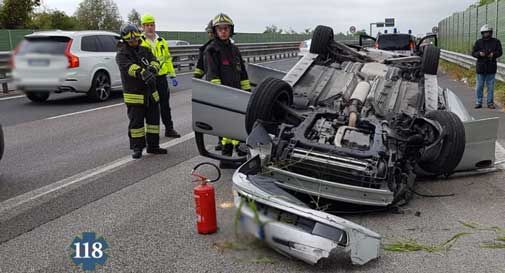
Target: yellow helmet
(223, 19)
(146, 19)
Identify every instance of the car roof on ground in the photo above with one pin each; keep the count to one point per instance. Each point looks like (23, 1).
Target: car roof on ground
(70, 33)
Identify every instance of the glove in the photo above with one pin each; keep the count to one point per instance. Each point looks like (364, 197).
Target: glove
(148, 77)
(152, 69)
(174, 82)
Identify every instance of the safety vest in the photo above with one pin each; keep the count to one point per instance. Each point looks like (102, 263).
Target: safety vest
(162, 53)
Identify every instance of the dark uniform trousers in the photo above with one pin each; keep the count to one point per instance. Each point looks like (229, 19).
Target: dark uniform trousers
(140, 133)
(164, 91)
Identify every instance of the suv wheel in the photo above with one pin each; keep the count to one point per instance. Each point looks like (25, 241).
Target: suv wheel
(37, 96)
(321, 39)
(100, 88)
(431, 57)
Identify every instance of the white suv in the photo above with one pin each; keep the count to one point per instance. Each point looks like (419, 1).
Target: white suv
(66, 61)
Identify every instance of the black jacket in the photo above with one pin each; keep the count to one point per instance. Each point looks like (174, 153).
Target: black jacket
(200, 69)
(130, 66)
(224, 65)
(487, 65)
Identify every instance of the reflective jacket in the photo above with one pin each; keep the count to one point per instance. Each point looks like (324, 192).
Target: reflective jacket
(129, 61)
(224, 65)
(487, 65)
(162, 53)
(200, 69)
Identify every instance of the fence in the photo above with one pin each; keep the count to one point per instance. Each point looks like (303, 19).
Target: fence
(10, 38)
(459, 31)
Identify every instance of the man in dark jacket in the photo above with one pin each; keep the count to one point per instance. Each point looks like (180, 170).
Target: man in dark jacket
(200, 69)
(138, 68)
(487, 50)
(224, 65)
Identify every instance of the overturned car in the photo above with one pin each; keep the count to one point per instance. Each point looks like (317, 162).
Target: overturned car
(340, 125)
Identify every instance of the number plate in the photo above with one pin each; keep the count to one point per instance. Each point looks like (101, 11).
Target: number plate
(38, 62)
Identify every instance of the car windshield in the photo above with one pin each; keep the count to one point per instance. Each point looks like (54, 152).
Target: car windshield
(394, 42)
(43, 45)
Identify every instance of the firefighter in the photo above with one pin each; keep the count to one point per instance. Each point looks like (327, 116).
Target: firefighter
(138, 69)
(159, 49)
(199, 70)
(224, 65)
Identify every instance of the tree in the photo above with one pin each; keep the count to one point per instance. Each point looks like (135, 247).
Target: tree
(99, 15)
(273, 29)
(53, 19)
(16, 13)
(134, 17)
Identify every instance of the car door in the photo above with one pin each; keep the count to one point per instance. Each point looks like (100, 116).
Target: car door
(107, 48)
(92, 59)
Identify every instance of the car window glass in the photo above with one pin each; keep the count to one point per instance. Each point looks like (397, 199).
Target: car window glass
(89, 43)
(43, 45)
(107, 43)
(394, 42)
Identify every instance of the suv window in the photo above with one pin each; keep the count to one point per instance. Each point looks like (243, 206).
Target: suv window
(394, 41)
(107, 43)
(43, 45)
(89, 43)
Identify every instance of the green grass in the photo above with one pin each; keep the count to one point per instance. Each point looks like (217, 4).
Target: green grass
(459, 73)
(411, 245)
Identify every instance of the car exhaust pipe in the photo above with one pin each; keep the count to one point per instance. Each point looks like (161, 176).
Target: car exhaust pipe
(358, 97)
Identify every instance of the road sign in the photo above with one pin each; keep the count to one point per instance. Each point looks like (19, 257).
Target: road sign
(352, 29)
(379, 24)
(434, 30)
(390, 22)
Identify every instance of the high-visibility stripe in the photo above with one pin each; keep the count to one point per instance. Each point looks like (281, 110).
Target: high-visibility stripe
(152, 129)
(132, 70)
(156, 65)
(245, 85)
(137, 132)
(133, 98)
(216, 81)
(226, 140)
(198, 72)
(156, 96)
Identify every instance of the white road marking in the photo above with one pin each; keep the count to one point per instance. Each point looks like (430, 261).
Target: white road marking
(12, 97)
(85, 111)
(32, 196)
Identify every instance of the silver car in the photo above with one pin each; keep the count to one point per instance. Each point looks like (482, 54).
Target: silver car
(67, 61)
(340, 126)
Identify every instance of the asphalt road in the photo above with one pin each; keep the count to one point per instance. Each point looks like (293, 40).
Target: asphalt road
(144, 209)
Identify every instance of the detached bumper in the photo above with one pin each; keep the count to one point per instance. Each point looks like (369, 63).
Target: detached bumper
(291, 227)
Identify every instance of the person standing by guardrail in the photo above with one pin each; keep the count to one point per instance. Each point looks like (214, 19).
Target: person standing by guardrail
(224, 65)
(159, 47)
(487, 50)
(138, 69)
(200, 69)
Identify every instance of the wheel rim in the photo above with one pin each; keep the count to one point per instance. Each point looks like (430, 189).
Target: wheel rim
(278, 114)
(102, 87)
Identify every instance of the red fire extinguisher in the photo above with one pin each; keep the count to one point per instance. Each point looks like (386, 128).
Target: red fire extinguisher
(205, 202)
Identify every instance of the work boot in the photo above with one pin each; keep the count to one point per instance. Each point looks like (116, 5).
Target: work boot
(157, 151)
(172, 133)
(227, 150)
(137, 154)
(241, 149)
(478, 106)
(491, 106)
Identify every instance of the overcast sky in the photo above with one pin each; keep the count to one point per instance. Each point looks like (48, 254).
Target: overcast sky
(253, 16)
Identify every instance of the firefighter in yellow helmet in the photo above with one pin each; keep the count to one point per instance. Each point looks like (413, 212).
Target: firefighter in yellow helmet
(224, 65)
(159, 47)
(138, 68)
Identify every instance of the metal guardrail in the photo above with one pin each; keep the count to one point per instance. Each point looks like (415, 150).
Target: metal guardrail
(468, 61)
(4, 70)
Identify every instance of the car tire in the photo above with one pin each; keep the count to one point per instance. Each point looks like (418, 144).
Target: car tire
(100, 89)
(263, 104)
(37, 96)
(321, 39)
(453, 145)
(431, 57)
(2, 145)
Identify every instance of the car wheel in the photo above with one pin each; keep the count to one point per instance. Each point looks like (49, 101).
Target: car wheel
(452, 146)
(264, 104)
(100, 87)
(431, 56)
(321, 39)
(37, 96)
(1, 142)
